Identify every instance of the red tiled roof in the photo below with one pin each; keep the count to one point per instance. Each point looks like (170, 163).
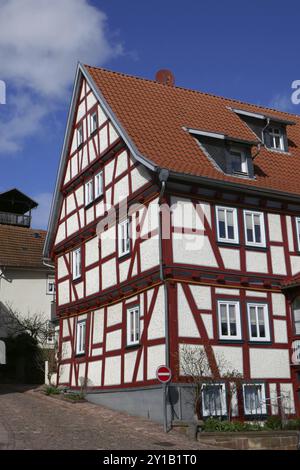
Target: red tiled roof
(153, 115)
(21, 247)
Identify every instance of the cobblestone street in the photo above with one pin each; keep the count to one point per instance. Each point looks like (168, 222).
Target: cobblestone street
(31, 420)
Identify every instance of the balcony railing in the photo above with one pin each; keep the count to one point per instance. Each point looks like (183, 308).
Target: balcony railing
(8, 218)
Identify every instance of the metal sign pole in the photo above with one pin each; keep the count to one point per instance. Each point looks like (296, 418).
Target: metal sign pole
(165, 407)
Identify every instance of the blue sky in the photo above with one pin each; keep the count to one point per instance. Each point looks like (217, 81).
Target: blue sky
(240, 49)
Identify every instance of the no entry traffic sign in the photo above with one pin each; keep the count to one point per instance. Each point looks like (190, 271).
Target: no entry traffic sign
(163, 374)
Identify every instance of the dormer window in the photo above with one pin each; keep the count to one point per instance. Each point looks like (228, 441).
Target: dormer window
(276, 138)
(238, 162)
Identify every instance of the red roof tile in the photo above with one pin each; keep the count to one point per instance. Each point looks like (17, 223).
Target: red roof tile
(21, 247)
(153, 115)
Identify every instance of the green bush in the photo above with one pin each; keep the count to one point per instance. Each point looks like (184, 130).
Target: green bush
(292, 424)
(74, 396)
(50, 390)
(213, 424)
(273, 422)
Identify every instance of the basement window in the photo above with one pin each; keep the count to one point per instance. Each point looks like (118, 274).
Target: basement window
(213, 400)
(254, 399)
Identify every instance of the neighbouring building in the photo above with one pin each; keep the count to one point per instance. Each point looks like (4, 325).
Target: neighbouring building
(134, 290)
(26, 284)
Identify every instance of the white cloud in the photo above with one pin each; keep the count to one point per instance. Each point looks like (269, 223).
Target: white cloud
(41, 42)
(282, 102)
(40, 215)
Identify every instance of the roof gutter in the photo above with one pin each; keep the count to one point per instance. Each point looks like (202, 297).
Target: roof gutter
(252, 190)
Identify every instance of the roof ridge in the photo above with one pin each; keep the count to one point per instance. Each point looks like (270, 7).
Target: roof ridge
(191, 90)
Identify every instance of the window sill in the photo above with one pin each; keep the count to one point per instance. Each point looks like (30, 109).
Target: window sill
(79, 355)
(124, 257)
(232, 340)
(79, 147)
(262, 342)
(133, 346)
(230, 244)
(271, 149)
(77, 280)
(92, 134)
(256, 248)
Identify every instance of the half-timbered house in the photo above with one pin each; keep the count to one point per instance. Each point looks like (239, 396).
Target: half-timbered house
(175, 224)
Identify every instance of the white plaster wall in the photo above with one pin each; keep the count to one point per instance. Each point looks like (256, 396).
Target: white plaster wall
(280, 331)
(114, 314)
(156, 328)
(278, 260)
(61, 233)
(62, 270)
(64, 373)
(121, 189)
(63, 292)
(108, 273)
(295, 264)
(208, 323)
(275, 363)
(129, 363)
(193, 249)
(91, 251)
(273, 397)
(231, 356)
(113, 135)
(224, 291)
(72, 224)
(256, 262)
(202, 296)
(70, 201)
(290, 232)
(149, 252)
(112, 375)
(186, 324)
(95, 373)
(66, 350)
(156, 358)
(256, 293)
(92, 281)
(139, 177)
(278, 304)
(108, 242)
(98, 326)
(122, 163)
(231, 258)
(113, 340)
(275, 231)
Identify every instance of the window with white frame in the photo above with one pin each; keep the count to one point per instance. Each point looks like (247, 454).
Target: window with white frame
(214, 400)
(133, 326)
(98, 184)
(123, 237)
(296, 315)
(89, 192)
(254, 399)
(50, 284)
(298, 231)
(80, 336)
(79, 135)
(76, 263)
(276, 138)
(238, 161)
(93, 122)
(227, 227)
(229, 320)
(258, 321)
(254, 228)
